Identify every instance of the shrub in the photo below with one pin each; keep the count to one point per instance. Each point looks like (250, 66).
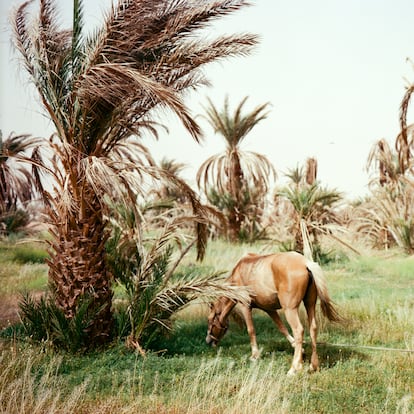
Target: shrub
(44, 321)
(13, 221)
(29, 254)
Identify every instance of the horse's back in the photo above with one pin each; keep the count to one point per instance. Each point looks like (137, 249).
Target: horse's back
(282, 264)
(276, 280)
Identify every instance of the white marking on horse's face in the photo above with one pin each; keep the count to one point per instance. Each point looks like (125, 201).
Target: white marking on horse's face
(210, 341)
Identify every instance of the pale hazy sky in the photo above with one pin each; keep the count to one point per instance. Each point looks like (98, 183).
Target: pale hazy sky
(334, 72)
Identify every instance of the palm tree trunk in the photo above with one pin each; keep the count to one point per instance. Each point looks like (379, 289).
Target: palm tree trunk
(235, 187)
(234, 225)
(78, 270)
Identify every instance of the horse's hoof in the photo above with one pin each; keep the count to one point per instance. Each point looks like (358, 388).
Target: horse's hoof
(313, 369)
(294, 371)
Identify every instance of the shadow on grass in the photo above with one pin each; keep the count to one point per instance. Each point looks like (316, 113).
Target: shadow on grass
(188, 338)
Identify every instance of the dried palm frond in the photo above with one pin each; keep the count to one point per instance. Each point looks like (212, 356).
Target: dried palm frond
(16, 182)
(404, 141)
(397, 215)
(382, 158)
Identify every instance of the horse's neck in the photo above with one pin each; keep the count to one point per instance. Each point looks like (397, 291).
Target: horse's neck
(227, 307)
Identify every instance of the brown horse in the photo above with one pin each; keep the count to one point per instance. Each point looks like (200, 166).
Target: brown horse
(276, 281)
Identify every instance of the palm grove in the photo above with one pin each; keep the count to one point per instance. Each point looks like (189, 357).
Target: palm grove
(102, 90)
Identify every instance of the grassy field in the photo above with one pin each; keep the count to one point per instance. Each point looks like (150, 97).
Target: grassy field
(362, 370)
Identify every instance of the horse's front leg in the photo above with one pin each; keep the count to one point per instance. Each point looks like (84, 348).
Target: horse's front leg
(282, 328)
(247, 315)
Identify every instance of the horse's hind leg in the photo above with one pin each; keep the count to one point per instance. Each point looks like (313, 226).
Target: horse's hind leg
(310, 305)
(314, 366)
(292, 317)
(282, 328)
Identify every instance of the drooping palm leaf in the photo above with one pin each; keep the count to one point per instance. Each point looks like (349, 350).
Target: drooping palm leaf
(16, 183)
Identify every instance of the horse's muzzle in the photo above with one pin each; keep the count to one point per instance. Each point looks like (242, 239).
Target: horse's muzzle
(210, 341)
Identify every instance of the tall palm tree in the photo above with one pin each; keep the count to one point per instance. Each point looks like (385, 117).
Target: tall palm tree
(236, 179)
(16, 184)
(100, 91)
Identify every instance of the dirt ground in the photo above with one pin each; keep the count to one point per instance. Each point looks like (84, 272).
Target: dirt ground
(9, 306)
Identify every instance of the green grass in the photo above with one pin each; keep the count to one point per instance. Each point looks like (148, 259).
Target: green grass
(182, 375)
(22, 267)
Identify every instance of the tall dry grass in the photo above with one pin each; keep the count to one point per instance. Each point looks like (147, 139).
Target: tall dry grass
(25, 391)
(217, 385)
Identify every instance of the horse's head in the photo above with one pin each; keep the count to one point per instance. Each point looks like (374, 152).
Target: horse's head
(217, 326)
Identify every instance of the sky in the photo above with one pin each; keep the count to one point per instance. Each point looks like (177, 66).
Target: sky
(333, 71)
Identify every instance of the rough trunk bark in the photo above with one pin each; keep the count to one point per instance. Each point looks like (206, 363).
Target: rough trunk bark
(78, 269)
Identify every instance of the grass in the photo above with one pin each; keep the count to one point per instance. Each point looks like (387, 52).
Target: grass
(182, 375)
(22, 267)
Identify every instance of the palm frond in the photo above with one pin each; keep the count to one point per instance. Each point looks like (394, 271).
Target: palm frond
(402, 144)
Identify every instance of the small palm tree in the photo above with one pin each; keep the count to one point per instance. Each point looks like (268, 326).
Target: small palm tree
(16, 183)
(171, 168)
(156, 282)
(236, 180)
(312, 205)
(100, 90)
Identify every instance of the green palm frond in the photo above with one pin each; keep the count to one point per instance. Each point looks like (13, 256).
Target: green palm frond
(234, 127)
(312, 207)
(296, 175)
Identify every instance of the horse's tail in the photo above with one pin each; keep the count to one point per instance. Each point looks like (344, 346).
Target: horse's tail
(327, 306)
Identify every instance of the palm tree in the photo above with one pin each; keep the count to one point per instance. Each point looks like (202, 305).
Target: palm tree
(312, 205)
(386, 162)
(166, 192)
(235, 180)
(100, 91)
(156, 286)
(16, 184)
(387, 218)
